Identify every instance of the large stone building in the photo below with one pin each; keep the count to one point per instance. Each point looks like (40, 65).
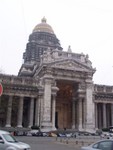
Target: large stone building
(54, 88)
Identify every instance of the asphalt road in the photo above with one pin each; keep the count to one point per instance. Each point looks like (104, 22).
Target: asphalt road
(46, 143)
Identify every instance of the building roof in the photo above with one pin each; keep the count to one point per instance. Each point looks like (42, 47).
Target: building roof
(43, 27)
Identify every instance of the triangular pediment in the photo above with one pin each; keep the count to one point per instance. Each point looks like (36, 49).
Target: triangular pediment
(70, 65)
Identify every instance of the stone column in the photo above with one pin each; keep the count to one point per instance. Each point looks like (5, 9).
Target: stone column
(53, 112)
(96, 116)
(111, 114)
(20, 112)
(73, 114)
(46, 120)
(37, 112)
(9, 110)
(104, 115)
(39, 107)
(84, 113)
(108, 114)
(90, 119)
(40, 110)
(54, 90)
(31, 112)
(99, 116)
(80, 127)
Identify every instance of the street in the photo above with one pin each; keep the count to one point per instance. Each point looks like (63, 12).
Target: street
(45, 143)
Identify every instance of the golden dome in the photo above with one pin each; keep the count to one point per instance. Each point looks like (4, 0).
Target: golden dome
(43, 27)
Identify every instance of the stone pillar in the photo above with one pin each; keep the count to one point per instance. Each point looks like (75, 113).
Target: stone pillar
(111, 114)
(96, 116)
(99, 116)
(53, 112)
(108, 115)
(80, 127)
(54, 90)
(46, 121)
(9, 110)
(73, 114)
(39, 107)
(20, 112)
(104, 115)
(36, 113)
(40, 110)
(84, 113)
(90, 119)
(31, 112)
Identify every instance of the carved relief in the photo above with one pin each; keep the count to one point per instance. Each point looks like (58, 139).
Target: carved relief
(82, 86)
(68, 65)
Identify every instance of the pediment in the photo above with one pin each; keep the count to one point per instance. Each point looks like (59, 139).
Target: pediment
(70, 65)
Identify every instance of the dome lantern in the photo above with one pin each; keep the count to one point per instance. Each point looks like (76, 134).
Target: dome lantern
(43, 20)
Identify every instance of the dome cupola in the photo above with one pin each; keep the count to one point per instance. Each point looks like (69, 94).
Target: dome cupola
(43, 27)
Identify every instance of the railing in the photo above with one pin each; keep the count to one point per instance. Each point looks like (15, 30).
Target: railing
(79, 141)
(10, 79)
(103, 88)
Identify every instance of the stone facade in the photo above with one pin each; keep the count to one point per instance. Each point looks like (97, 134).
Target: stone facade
(54, 89)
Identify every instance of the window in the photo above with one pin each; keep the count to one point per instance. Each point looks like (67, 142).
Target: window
(9, 138)
(104, 145)
(95, 146)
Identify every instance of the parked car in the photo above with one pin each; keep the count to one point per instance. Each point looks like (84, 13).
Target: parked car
(52, 134)
(61, 135)
(68, 135)
(106, 144)
(9, 142)
(106, 135)
(39, 134)
(33, 132)
(75, 134)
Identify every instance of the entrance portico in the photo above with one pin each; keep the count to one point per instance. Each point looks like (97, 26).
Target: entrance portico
(73, 104)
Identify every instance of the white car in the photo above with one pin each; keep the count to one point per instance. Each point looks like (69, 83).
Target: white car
(9, 142)
(106, 144)
(68, 135)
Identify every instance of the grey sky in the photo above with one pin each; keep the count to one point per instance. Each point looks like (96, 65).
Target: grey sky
(86, 25)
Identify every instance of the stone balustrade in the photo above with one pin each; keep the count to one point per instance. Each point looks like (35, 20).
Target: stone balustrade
(51, 56)
(11, 79)
(103, 88)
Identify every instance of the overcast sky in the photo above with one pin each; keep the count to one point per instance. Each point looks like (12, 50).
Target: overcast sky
(86, 25)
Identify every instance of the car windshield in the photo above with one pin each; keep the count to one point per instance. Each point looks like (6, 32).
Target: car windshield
(9, 138)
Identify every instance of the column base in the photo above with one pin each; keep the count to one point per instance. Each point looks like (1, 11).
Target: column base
(54, 129)
(46, 127)
(29, 126)
(73, 126)
(80, 129)
(90, 128)
(7, 125)
(19, 126)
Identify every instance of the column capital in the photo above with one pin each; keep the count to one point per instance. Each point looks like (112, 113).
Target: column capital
(81, 89)
(40, 90)
(48, 78)
(89, 85)
(54, 90)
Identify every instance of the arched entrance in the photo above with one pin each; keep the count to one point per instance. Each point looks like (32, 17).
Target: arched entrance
(63, 115)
